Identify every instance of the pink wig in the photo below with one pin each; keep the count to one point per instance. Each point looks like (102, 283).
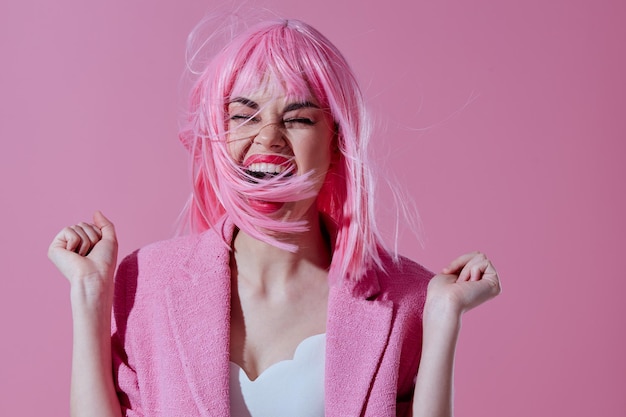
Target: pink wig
(299, 62)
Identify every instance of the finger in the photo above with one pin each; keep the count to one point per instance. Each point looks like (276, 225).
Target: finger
(107, 250)
(492, 282)
(456, 265)
(85, 244)
(465, 274)
(66, 239)
(93, 232)
(472, 269)
(491, 270)
(72, 239)
(477, 270)
(483, 290)
(106, 226)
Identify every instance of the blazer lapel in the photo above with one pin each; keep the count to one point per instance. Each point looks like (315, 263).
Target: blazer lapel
(199, 314)
(357, 333)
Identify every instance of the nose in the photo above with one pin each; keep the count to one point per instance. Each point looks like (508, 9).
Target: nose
(270, 136)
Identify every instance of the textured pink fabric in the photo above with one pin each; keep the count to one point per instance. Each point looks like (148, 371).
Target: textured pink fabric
(171, 330)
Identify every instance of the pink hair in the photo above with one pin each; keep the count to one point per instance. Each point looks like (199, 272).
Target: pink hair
(300, 62)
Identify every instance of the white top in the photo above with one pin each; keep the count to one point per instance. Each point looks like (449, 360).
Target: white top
(286, 389)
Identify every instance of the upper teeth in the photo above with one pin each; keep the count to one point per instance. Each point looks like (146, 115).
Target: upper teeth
(266, 167)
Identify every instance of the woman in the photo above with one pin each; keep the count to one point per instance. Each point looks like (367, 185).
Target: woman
(287, 303)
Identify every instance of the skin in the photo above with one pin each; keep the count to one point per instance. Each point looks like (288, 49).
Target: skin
(262, 124)
(87, 254)
(465, 283)
(279, 298)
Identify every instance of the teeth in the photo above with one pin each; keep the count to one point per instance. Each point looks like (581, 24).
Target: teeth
(267, 168)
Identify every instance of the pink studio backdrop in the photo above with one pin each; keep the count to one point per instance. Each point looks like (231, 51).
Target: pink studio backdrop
(503, 119)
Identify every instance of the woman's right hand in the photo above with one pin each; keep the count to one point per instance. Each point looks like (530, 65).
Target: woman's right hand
(86, 254)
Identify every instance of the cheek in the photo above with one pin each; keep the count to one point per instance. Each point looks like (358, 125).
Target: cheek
(237, 149)
(320, 157)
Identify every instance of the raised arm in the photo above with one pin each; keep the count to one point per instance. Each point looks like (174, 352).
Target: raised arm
(87, 254)
(467, 282)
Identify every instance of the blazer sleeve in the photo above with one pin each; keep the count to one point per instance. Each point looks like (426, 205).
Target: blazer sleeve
(124, 376)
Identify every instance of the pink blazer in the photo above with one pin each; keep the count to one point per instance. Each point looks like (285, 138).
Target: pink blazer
(170, 336)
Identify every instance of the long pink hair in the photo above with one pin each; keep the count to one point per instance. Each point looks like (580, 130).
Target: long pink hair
(301, 63)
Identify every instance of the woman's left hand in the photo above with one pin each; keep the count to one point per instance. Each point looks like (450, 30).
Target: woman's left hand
(467, 282)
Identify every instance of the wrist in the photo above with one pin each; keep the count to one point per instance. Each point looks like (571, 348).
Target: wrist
(442, 313)
(91, 294)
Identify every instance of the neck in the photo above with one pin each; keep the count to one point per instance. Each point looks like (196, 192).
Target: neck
(264, 264)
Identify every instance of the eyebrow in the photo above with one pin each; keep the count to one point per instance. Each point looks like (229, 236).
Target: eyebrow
(290, 107)
(245, 101)
(300, 105)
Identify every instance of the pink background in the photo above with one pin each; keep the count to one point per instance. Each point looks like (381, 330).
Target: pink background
(504, 119)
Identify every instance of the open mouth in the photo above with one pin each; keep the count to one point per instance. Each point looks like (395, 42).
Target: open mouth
(266, 175)
(265, 167)
(268, 166)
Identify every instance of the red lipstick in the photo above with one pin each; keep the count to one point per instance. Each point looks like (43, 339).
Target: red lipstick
(266, 159)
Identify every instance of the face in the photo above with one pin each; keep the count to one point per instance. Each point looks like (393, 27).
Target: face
(271, 134)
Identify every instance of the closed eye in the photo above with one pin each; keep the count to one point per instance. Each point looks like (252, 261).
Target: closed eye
(299, 121)
(243, 118)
